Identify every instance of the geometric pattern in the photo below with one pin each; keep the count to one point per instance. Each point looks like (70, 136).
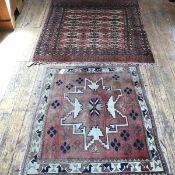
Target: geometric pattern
(95, 107)
(112, 33)
(99, 126)
(95, 132)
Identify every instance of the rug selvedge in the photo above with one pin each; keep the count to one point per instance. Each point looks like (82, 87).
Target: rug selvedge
(150, 161)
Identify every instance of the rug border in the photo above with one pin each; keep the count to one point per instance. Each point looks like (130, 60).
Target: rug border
(153, 121)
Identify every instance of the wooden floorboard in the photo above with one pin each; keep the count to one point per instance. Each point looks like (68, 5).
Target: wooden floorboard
(33, 13)
(19, 101)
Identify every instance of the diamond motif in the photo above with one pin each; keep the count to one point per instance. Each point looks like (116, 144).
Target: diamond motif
(65, 147)
(115, 77)
(133, 115)
(138, 144)
(79, 80)
(59, 82)
(115, 145)
(55, 104)
(128, 91)
(52, 132)
(125, 135)
(69, 86)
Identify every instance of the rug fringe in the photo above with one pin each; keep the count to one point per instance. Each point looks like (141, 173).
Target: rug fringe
(86, 64)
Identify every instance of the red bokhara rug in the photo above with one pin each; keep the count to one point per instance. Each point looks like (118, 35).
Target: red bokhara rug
(86, 33)
(95, 121)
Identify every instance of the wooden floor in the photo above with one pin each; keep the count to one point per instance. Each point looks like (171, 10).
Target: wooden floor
(19, 82)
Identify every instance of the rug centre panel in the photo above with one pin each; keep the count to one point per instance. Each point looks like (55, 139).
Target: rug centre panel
(89, 29)
(93, 116)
